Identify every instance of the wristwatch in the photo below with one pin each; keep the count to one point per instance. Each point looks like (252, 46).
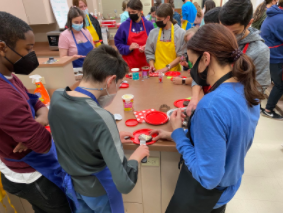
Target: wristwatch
(184, 81)
(168, 66)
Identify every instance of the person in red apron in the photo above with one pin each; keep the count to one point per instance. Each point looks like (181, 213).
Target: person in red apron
(76, 40)
(214, 147)
(132, 35)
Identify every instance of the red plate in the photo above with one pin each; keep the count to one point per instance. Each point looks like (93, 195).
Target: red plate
(172, 73)
(180, 76)
(142, 131)
(156, 118)
(124, 85)
(131, 122)
(179, 103)
(153, 74)
(48, 128)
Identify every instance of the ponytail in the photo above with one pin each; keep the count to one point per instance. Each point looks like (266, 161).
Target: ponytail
(260, 10)
(244, 71)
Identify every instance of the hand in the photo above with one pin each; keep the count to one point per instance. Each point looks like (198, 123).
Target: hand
(192, 106)
(133, 46)
(140, 153)
(176, 119)
(161, 135)
(20, 148)
(178, 80)
(184, 64)
(126, 134)
(163, 70)
(79, 56)
(142, 48)
(152, 68)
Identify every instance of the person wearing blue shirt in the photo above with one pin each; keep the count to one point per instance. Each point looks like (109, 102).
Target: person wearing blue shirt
(222, 128)
(125, 15)
(189, 13)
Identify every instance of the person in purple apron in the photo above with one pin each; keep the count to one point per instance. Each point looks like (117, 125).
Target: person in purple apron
(87, 140)
(28, 159)
(76, 40)
(221, 130)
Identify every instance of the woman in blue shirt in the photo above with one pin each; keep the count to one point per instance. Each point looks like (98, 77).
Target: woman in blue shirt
(222, 128)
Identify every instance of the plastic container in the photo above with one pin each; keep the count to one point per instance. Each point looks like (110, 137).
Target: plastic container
(145, 72)
(40, 90)
(136, 75)
(128, 101)
(160, 77)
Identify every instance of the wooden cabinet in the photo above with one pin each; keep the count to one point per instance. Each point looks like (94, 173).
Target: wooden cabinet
(38, 12)
(15, 7)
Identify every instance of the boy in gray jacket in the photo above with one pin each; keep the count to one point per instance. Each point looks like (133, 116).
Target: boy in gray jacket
(237, 16)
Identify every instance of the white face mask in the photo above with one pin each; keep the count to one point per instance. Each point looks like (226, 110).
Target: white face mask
(106, 100)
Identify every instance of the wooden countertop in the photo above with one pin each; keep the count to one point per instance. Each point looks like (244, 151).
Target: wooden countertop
(60, 63)
(42, 49)
(149, 94)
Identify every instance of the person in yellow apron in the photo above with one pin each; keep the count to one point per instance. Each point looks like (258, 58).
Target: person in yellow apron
(92, 24)
(189, 13)
(165, 44)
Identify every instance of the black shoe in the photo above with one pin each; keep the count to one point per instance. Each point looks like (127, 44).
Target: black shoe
(272, 114)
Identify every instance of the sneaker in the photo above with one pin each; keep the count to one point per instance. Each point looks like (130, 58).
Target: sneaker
(272, 114)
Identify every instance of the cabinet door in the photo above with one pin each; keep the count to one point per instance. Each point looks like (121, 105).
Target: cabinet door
(133, 208)
(15, 7)
(39, 12)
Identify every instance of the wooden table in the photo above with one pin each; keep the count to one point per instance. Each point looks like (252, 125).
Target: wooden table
(149, 94)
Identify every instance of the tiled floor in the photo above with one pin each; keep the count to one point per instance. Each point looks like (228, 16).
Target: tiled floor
(262, 185)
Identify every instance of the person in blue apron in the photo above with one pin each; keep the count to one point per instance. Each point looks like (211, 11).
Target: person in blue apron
(76, 40)
(87, 140)
(28, 159)
(221, 130)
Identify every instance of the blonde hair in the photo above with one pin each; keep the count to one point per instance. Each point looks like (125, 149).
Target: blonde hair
(199, 11)
(77, 2)
(124, 5)
(192, 30)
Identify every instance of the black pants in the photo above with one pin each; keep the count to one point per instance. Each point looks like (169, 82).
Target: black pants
(220, 209)
(43, 195)
(276, 71)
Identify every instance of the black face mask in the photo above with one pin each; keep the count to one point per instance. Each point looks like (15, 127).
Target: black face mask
(160, 24)
(134, 17)
(26, 64)
(199, 78)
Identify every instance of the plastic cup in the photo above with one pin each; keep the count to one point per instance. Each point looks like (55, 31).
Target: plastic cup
(136, 75)
(128, 101)
(145, 72)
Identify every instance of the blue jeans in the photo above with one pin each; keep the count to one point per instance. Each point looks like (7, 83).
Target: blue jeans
(93, 204)
(276, 71)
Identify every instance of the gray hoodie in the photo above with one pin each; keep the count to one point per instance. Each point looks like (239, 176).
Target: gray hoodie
(259, 53)
(180, 44)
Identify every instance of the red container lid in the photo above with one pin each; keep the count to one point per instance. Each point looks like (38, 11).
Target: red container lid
(131, 122)
(172, 73)
(124, 85)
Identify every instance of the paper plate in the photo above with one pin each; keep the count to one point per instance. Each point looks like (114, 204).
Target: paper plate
(142, 131)
(179, 103)
(124, 85)
(131, 122)
(156, 118)
(172, 73)
(172, 110)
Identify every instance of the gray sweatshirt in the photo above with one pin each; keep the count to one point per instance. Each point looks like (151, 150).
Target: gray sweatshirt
(259, 53)
(87, 140)
(180, 44)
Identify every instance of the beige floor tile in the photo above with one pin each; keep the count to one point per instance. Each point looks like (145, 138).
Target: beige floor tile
(276, 166)
(242, 206)
(269, 206)
(260, 188)
(257, 166)
(254, 152)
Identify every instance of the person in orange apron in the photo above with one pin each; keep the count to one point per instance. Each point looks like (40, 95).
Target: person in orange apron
(132, 35)
(165, 44)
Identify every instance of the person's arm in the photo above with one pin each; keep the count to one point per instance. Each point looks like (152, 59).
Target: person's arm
(42, 116)
(16, 121)
(120, 40)
(196, 91)
(150, 47)
(206, 159)
(124, 172)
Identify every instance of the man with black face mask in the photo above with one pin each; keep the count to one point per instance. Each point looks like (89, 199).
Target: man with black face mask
(131, 36)
(22, 121)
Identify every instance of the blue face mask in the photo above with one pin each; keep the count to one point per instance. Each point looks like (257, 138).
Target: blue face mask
(77, 27)
(86, 12)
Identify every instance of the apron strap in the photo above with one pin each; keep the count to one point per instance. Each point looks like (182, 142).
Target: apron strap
(75, 38)
(246, 48)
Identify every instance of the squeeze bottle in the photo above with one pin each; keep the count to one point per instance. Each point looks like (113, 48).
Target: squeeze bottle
(40, 90)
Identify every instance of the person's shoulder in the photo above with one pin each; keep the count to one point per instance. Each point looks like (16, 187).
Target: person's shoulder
(66, 33)
(178, 29)
(154, 31)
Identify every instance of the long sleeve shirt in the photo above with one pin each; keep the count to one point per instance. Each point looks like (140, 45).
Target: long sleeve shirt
(222, 130)
(18, 125)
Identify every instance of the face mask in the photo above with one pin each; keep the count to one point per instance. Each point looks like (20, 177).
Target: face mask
(78, 27)
(160, 24)
(86, 11)
(199, 78)
(134, 17)
(26, 64)
(106, 100)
